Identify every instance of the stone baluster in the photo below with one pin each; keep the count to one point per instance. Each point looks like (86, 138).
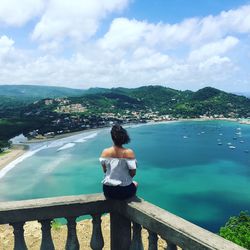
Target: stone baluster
(171, 246)
(96, 242)
(136, 243)
(120, 232)
(152, 241)
(72, 241)
(47, 243)
(19, 236)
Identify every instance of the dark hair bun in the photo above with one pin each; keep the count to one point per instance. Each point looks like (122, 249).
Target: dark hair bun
(119, 135)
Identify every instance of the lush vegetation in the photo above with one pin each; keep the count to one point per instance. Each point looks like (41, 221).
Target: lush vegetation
(3, 144)
(28, 108)
(56, 224)
(237, 229)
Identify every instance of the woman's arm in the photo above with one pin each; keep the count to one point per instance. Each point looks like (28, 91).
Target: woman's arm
(104, 168)
(105, 153)
(131, 155)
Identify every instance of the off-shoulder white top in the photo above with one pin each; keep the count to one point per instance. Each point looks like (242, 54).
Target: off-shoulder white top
(118, 171)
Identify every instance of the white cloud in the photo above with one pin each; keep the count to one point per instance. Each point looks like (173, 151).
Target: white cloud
(18, 12)
(232, 21)
(213, 49)
(143, 66)
(124, 33)
(6, 47)
(186, 55)
(5, 44)
(76, 19)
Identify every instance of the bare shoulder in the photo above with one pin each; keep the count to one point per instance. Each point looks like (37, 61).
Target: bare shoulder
(107, 152)
(129, 153)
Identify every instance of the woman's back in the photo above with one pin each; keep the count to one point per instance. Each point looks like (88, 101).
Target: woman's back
(118, 163)
(118, 152)
(119, 166)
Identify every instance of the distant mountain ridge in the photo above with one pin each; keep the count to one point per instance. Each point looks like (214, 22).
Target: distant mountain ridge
(166, 101)
(41, 92)
(246, 94)
(37, 91)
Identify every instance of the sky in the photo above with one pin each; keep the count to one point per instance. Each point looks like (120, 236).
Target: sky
(181, 44)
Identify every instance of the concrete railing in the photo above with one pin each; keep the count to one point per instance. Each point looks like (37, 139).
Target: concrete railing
(175, 230)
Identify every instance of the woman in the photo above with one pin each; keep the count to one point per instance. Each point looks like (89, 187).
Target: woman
(119, 166)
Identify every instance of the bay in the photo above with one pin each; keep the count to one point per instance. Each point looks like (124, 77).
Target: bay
(187, 168)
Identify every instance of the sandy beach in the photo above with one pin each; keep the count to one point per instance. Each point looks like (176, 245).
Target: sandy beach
(59, 235)
(13, 153)
(18, 150)
(61, 136)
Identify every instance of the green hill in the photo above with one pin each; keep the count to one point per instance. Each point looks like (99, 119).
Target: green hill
(206, 101)
(206, 94)
(98, 106)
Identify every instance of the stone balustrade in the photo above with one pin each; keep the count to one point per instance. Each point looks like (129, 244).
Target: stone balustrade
(126, 221)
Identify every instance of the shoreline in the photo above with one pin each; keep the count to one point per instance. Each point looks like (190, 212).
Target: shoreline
(62, 136)
(18, 150)
(12, 154)
(65, 135)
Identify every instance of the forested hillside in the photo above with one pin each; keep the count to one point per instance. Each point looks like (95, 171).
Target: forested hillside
(98, 107)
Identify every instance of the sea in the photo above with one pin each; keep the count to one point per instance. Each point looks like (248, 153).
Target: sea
(199, 170)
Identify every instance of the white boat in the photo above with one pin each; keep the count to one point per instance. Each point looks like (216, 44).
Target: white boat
(229, 143)
(185, 137)
(232, 147)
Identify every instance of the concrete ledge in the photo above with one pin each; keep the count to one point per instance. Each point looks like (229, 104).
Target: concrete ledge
(50, 208)
(173, 228)
(169, 226)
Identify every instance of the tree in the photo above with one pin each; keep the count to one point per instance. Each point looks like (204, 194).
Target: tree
(4, 144)
(237, 229)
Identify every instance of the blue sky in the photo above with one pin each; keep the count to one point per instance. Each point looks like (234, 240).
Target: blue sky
(182, 44)
(173, 11)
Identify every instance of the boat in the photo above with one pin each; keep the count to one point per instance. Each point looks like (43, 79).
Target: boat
(185, 137)
(232, 147)
(220, 143)
(229, 143)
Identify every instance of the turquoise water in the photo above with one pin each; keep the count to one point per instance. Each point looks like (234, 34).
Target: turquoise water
(181, 168)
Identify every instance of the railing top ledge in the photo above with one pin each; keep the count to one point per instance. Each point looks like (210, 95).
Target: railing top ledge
(50, 208)
(48, 202)
(174, 228)
(167, 225)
